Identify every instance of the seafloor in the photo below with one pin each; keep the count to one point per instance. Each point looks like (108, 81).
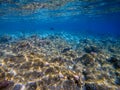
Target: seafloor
(59, 61)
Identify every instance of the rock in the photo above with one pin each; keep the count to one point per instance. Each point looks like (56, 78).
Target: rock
(71, 85)
(52, 79)
(26, 65)
(43, 43)
(117, 81)
(33, 75)
(46, 80)
(88, 59)
(31, 86)
(94, 86)
(76, 60)
(17, 87)
(5, 38)
(23, 45)
(115, 61)
(36, 74)
(50, 70)
(90, 77)
(6, 85)
(15, 59)
(88, 74)
(90, 49)
(65, 50)
(78, 81)
(60, 60)
(71, 53)
(38, 64)
(40, 83)
(78, 67)
(76, 77)
(70, 67)
(117, 65)
(68, 85)
(46, 64)
(117, 73)
(61, 75)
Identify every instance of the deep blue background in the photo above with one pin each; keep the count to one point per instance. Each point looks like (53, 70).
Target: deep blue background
(103, 24)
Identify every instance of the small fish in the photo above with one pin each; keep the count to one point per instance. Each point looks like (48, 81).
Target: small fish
(51, 28)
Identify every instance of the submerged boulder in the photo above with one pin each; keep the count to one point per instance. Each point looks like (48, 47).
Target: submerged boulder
(17, 87)
(69, 84)
(88, 59)
(65, 50)
(117, 81)
(92, 48)
(31, 86)
(95, 86)
(6, 85)
(5, 38)
(117, 65)
(115, 60)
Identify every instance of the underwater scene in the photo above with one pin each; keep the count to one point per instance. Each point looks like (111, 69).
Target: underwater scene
(59, 44)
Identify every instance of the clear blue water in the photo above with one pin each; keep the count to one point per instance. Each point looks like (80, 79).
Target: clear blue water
(105, 24)
(78, 19)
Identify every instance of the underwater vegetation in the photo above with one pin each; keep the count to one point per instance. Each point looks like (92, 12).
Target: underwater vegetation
(56, 63)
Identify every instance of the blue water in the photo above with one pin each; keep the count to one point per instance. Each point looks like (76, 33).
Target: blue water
(108, 24)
